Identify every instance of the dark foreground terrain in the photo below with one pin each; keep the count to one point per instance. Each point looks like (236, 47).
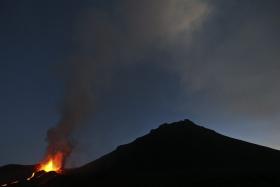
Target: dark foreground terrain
(177, 154)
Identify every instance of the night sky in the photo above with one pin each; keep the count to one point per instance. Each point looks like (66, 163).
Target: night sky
(127, 66)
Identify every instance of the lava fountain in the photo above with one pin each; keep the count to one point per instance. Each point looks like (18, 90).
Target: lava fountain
(52, 163)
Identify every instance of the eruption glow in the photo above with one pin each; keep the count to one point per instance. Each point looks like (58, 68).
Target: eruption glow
(52, 163)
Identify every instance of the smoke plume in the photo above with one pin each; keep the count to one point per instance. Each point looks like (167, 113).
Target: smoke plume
(109, 38)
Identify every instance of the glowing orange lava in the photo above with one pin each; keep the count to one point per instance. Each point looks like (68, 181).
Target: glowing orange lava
(29, 178)
(52, 163)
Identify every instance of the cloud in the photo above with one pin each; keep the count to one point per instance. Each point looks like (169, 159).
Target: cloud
(109, 39)
(234, 60)
(224, 53)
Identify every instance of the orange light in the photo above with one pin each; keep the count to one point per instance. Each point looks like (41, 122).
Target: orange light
(29, 178)
(52, 163)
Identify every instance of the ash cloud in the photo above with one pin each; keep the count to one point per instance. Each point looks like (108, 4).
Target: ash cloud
(224, 53)
(236, 61)
(109, 38)
(76, 106)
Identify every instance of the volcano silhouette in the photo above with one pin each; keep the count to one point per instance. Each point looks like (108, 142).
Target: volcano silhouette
(176, 154)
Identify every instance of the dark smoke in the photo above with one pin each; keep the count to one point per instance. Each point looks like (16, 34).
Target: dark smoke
(110, 38)
(77, 105)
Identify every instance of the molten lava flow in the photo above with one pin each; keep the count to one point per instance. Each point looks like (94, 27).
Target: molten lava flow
(29, 178)
(52, 163)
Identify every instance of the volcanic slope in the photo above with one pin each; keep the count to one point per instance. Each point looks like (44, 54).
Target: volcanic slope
(178, 154)
(182, 153)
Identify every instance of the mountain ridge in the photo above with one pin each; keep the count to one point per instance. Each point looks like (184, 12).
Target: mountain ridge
(208, 155)
(179, 153)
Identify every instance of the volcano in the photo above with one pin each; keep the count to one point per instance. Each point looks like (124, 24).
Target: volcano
(175, 154)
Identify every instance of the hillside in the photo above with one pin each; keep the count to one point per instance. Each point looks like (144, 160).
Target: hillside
(180, 153)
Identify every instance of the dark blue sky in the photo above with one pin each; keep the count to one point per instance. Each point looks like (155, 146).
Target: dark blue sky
(146, 62)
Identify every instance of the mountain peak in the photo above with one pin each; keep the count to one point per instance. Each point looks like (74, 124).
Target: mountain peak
(184, 130)
(179, 153)
(185, 150)
(185, 124)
